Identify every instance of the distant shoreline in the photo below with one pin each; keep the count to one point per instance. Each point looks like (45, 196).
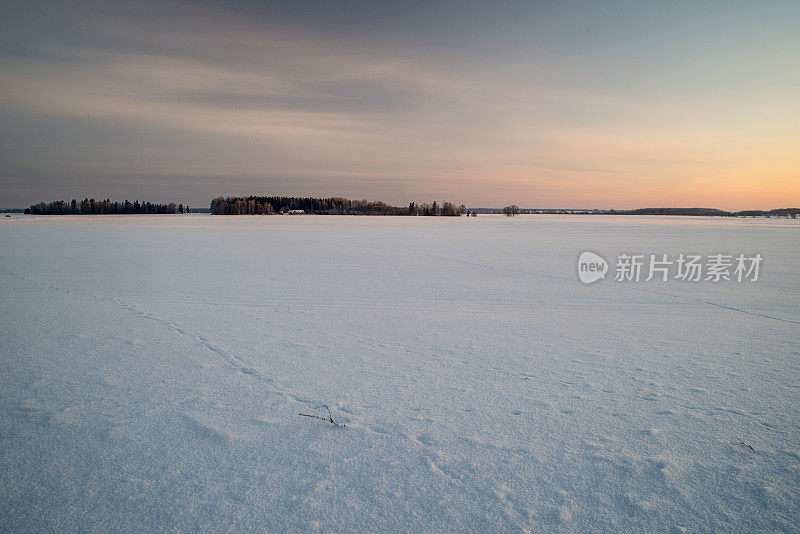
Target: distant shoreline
(341, 206)
(678, 212)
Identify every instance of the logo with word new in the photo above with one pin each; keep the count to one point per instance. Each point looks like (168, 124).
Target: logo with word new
(591, 267)
(662, 267)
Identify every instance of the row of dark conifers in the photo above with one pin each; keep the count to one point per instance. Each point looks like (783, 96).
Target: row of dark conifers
(90, 206)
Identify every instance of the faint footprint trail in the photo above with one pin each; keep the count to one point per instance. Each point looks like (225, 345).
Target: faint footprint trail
(236, 362)
(239, 364)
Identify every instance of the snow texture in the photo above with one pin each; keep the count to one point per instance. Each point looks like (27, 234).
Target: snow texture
(153, 369)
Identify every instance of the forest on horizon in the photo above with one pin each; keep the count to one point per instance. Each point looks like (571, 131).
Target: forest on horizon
(269, 205)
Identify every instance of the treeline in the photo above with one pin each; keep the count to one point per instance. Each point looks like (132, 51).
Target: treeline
(254, 205)
(782, 212)
(706, 212)
(90, 206)
(693, 212)
(445, 209)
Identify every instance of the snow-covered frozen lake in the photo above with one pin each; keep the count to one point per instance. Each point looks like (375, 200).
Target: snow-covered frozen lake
(153, 370)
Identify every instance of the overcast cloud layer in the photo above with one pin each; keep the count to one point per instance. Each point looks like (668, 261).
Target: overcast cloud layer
(564, 104)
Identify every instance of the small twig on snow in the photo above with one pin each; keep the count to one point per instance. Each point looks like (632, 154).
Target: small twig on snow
(314, 416)
(328, 419)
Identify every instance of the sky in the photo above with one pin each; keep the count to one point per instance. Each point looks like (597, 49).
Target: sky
(564, 104)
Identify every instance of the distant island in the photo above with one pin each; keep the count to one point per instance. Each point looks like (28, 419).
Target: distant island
(686, 212)
(254, 205)
(706, 212)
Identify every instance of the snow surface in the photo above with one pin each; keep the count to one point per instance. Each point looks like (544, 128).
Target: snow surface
(153, 369)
